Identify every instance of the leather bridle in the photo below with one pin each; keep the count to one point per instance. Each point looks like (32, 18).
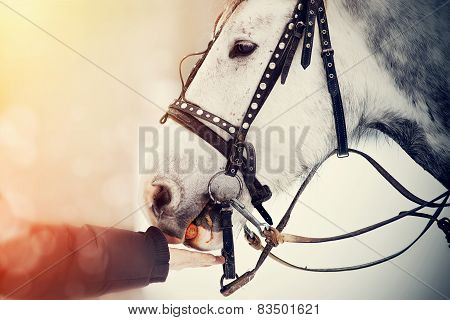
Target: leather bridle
(241, 154)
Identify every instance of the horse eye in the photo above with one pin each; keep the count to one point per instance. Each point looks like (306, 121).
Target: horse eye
(242, 49)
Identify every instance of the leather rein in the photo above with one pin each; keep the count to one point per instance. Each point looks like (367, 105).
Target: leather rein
(241, 154)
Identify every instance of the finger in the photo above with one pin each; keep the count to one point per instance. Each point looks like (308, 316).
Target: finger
(214, 260)
(181, 259)
(220, 260)
(206, 259)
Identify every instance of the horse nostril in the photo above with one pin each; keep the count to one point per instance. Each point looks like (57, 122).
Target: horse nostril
(161, 198)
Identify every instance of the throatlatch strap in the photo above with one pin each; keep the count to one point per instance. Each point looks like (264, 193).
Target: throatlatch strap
(333, 84)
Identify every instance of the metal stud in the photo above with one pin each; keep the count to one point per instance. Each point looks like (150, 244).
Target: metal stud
(245, 126)
(199, 112)
(216, 119)
(291, 26)
(254, 106)
(232, 130)
(184, 106)
(272, 65)
(282, 45)
(263, 86)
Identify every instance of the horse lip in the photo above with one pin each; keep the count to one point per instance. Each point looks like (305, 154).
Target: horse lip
(156, 212)
(173, 237)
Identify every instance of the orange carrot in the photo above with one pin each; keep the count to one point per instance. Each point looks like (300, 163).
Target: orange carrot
(191, 232)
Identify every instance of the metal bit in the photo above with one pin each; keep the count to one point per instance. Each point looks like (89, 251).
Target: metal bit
(247, 215)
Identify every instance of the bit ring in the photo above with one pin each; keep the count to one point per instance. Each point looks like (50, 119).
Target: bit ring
(214, 177)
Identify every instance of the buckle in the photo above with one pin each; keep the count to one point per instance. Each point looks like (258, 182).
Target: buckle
(235, 158)
(328, 52)
(298, 30)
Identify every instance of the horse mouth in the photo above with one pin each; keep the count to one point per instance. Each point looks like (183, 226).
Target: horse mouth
(202, 233)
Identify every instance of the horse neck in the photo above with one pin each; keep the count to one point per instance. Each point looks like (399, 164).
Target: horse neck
(375, 95)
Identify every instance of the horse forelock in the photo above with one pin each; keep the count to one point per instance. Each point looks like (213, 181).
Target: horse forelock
(232, 4)
(230, 7)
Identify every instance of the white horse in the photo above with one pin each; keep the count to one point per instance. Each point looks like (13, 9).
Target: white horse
(393, 76)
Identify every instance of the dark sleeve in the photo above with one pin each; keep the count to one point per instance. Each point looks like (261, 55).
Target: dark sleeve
(65, 262)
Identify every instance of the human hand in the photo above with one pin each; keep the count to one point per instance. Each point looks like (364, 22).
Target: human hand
(181, 259)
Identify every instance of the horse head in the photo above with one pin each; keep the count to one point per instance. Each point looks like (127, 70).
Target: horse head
(224, 85)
